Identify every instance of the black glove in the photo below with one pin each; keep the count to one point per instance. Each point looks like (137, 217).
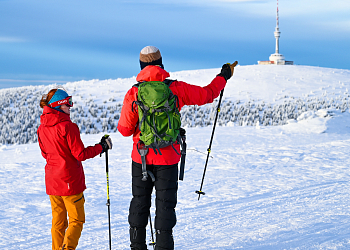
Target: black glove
(227, 70)
(106, 143)
(182, 132)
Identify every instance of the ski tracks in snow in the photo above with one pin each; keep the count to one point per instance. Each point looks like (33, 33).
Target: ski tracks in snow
(268, 191)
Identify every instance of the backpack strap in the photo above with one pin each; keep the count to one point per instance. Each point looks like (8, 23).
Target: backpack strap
(143, 152)
(137, 84)
(166, 81)
(169, 82)
(182, 141)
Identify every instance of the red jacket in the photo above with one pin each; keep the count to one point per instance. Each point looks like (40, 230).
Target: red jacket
(61, 146)
(187, 94)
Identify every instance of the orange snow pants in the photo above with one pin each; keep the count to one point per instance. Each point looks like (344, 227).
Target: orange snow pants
(74, 206)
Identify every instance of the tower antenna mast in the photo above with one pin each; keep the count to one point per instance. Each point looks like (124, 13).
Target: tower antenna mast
(277, 32)
(277, 13)
(277, 58)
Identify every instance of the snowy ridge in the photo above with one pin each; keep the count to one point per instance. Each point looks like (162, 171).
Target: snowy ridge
(248, 101)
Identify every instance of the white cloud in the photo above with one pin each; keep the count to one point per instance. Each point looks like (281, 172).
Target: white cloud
(302, 7)
(6, 39)
(329, 14)
(295, 7)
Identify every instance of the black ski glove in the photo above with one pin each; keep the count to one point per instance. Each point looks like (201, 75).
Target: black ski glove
(106, 143)
(227, 70)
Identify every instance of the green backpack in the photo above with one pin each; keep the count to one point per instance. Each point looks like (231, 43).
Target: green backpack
(159, 116)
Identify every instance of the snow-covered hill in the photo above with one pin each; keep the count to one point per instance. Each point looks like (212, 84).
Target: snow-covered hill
(256, 95)
(267, 187)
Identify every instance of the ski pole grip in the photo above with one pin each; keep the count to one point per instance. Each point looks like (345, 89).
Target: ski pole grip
(234, 64)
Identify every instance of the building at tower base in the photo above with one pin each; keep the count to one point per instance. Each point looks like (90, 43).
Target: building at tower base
(277, 59)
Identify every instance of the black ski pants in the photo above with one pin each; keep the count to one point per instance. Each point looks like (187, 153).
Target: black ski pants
(166, 185)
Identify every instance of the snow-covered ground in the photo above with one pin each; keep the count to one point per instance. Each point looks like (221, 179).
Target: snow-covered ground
(267, 187)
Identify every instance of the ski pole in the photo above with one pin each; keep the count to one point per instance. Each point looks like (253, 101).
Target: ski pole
(150, 223)
(108, 204)
(199, 192)
(108, 200)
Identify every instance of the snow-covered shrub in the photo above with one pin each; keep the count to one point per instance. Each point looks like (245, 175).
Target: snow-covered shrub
(20, 113)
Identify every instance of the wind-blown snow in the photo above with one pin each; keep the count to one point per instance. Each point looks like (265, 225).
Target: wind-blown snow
(267, 187)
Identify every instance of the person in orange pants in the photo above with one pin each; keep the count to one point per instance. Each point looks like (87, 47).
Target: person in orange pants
(61, 146)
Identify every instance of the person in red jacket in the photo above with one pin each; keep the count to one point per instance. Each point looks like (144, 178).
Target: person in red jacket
(164, 166)
(61, 146)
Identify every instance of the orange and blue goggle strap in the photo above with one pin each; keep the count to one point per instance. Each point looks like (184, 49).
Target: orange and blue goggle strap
(68, 101)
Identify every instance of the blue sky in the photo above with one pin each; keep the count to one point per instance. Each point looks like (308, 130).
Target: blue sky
(47, 41)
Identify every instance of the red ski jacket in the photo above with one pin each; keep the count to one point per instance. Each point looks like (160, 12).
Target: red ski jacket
(61, 146)
(188, 95)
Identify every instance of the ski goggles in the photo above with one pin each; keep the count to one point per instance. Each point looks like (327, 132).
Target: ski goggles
(68, 101)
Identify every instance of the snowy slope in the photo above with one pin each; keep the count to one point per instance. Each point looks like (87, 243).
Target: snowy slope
(267, 95)
(267, 187)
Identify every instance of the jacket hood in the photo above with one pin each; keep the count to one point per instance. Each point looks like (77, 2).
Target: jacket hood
(152, 73)
(51, 117)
